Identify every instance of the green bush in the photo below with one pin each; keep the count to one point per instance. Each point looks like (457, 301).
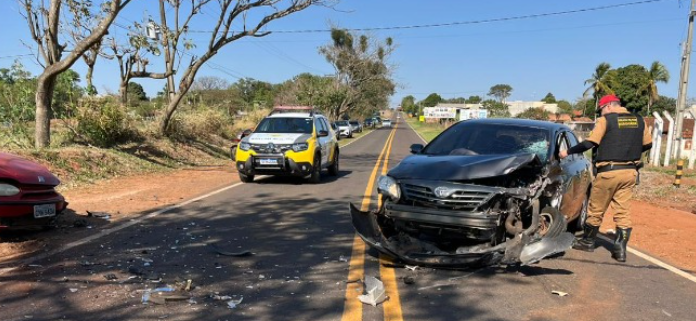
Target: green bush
(103, 123)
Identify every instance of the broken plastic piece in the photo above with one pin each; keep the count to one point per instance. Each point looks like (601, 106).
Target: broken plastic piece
(164, 289)
(221, 297)
(559, 293)
(73, 290)
(342, 259)
(234, 303)
(535, 252)
(188, 285)
(225, 253)
(374, 292)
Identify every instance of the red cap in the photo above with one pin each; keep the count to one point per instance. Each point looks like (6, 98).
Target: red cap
(607, 99)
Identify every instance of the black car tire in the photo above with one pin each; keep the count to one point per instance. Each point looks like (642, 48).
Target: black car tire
(315, 177)
(333, 169)
(233, 153)
(555, 222)
(246, 178)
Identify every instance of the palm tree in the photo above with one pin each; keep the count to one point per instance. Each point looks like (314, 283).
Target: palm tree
(599, 84)
(657, 73)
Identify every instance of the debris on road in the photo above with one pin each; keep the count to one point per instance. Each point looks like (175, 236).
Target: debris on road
(217, 250)
(101, 215)
(409, 280)
(73, 290)
(342, 259)
(411, 267)
(374, 292)
(559, 293)
(234, 303)
(80, 223)
(535, 252)
(111, 277)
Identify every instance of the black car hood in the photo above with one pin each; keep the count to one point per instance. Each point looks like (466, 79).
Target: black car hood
(457, 167)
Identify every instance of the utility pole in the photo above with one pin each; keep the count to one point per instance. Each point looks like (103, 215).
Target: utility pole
(683, 83)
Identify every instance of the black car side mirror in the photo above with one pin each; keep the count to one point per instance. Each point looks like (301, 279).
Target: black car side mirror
(323, 133)
(416, 148)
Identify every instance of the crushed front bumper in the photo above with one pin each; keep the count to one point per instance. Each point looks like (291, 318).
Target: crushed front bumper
(520, 249)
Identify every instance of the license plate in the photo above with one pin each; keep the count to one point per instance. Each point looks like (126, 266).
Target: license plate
(268, 161)
(45, 210)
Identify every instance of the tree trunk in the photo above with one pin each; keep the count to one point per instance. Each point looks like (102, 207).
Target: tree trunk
(123, 93)
(88, 79)
(171, 107)
(44, 96)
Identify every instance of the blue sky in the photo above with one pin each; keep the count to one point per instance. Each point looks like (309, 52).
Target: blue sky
(535, 56)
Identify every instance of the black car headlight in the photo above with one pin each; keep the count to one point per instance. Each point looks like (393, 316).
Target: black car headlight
(244, 146)
(8, 190)
(298, 147)
(388, 186)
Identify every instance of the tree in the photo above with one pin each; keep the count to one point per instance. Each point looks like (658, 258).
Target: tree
(564, 107)
(458, 100)
(254, 15)
(474, 100)
(534, 113)
(408, 104)
(252, 93)
(496, 109)
(66, 94)
(657, 73)
(500, 92)
(599, 83)
(44, 21)
(549, 99)
(663, 104)
(432, 100)
(628, 83)
(362, 76)
(137, 91)
(209, 83)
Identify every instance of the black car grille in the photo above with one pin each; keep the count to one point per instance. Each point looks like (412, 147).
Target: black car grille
(461, 199)
(271, 148)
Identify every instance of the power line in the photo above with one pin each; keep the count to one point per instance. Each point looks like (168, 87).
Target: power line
(15, 56)
(469, 22)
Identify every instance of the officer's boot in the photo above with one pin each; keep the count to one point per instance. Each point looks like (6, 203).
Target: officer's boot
(587, 242)
(622, 236)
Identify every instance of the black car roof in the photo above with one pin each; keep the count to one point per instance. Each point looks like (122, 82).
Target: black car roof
(518, 122)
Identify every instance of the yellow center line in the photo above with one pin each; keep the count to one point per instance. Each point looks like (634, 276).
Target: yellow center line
(353, 308)
(392, 307)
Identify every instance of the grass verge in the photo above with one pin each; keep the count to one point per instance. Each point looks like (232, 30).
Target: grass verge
(427, 131)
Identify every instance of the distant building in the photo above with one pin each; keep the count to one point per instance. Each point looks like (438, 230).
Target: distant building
(518, 106)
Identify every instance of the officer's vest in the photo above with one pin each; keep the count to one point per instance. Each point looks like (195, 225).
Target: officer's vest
(623, 139)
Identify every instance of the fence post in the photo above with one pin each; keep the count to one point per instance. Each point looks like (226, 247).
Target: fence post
(657, 140)
(670, 135)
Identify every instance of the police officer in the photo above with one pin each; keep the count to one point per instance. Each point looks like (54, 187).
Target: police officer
(618, 140)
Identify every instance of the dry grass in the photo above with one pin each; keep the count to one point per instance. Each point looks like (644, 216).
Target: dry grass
(657, 187)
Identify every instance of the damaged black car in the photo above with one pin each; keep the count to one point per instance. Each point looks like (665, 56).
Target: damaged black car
(483, 192)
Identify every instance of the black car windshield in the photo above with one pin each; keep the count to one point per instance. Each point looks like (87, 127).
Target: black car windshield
(354, 122)
(342, 123)
(285, 125)
(490, 139)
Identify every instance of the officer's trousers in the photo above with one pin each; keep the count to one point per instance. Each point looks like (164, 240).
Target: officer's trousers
(615, 189)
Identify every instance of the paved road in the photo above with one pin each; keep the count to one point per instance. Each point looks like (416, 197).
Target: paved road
(304, 256)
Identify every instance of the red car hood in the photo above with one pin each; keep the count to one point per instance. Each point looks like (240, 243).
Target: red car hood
(23, 171)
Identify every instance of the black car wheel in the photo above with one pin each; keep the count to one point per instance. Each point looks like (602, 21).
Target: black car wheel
(552, 222)
(333, 169)
(315, 177)
(246, 178)
(579, 223)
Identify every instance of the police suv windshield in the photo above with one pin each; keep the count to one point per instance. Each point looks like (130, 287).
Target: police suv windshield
(279, 125)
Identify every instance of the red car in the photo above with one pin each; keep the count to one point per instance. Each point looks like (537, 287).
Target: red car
(27, 193)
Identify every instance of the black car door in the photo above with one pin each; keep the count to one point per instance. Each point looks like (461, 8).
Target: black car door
(574, 168)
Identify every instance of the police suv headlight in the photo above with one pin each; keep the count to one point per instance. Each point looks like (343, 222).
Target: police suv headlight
(300, 147)
(8, 190)
(388, 186)
(244, 146)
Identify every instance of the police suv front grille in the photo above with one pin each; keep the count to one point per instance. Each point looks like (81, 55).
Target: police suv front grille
(460, 199)
(275, 149)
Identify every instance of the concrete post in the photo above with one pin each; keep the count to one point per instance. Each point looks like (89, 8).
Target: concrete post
(657, 140)
(670, 135)
(692, 155)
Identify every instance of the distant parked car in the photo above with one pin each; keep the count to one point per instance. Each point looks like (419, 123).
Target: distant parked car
(344, 128)
(369, 123)
(27, 193)
(386, 123)
(334, 127)
(356, 126)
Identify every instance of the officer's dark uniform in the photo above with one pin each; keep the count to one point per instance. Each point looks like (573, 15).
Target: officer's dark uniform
(618, 139)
